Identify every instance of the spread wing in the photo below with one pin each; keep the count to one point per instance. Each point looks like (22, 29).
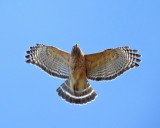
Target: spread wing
(109, 64)
(50, 59)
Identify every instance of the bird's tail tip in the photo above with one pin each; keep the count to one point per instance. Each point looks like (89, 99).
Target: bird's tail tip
(76, 97)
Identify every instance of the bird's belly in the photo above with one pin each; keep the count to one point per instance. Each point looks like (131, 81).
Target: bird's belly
(78, 78)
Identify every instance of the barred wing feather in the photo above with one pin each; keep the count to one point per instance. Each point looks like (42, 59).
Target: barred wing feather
(50, 59)
(109, 64)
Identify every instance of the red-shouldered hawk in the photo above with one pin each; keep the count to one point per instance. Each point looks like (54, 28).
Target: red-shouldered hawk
(78, 67)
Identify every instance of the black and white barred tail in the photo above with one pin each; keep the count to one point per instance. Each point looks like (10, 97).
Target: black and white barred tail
(76, 97)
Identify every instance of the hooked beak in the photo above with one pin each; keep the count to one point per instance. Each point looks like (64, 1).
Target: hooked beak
(76, 45)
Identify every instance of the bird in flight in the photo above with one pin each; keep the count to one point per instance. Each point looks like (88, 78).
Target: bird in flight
(77, 67)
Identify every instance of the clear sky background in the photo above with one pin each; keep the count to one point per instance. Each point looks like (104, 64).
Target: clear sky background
(28, 97)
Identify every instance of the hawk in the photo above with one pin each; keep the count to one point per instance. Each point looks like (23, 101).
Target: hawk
(77, 67)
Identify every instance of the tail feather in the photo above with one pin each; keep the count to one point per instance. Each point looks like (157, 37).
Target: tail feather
(76, 97)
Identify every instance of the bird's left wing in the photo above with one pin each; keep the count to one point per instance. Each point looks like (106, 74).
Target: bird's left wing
(50, 59)
(109, 64)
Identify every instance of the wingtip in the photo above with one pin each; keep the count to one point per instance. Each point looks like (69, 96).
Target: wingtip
(38, 44)
(28, 52)
(136, 65)
(27, 56)
(135, 55)
(126, 47)
(28, 61)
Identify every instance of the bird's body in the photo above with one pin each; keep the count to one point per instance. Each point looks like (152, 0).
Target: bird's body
(78, 67)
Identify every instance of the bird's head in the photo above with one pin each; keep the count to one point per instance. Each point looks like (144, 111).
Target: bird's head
(76, 51)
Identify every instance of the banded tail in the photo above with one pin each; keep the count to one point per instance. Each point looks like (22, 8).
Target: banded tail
(76, 97)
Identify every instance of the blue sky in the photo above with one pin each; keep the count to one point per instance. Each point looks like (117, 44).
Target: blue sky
(28, 97)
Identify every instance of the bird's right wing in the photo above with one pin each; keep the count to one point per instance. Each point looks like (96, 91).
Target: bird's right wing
(50, 59)
(109, 64)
